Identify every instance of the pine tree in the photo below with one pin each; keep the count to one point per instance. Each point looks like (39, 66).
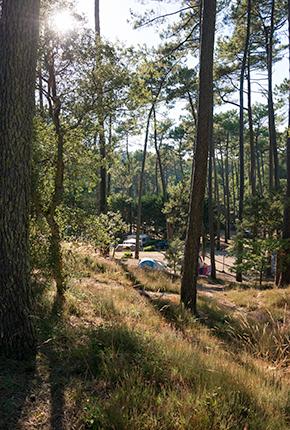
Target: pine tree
(18, 51)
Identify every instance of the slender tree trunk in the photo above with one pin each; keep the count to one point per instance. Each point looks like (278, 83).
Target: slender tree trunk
(169, 227)
(259, 175)
(141, 184)
(251, 133)
(227, 188)
(102, 204)
(224, 195)
(211, 210)
(285, 266)
(131, 184)
(164, 190)
(55, 239)
(239, 277)
(273, 152)
(204, 133)
(217, 203)
(18, 52)
(234, 186)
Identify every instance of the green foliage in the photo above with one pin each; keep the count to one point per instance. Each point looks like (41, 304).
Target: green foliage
(256, 256)
(176, 208)
(127, 254)
(174, 254)
(105, 230)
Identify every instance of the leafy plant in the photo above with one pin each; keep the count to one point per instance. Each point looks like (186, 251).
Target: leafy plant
(105, 231)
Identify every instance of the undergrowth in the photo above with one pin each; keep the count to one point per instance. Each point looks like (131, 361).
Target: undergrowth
(109, 358)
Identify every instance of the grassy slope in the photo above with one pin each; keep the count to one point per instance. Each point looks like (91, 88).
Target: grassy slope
(110, 358)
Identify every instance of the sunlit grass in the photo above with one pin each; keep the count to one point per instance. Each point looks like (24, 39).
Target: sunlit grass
(122, 361)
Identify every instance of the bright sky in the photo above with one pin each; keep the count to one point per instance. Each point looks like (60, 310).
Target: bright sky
(114, 20)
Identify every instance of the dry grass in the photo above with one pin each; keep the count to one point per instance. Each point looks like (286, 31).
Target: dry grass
(111, 359)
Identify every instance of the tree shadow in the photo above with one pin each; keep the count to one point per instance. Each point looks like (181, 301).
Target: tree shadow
(57, 378)
(16, 387)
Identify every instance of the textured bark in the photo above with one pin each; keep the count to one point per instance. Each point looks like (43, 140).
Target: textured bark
(18, 50)
(204, 132)
(239, 277)
(285, 266)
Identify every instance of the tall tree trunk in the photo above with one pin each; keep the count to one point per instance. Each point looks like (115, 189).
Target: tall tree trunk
(273, 153)
(260, 185)
(169, 227)
(217, 203)
(239, 277)
(227, 188)
(141, 184)
(204, 133)
(102, 204)
(211, 210)
(55, 239)
(222, 167)
(251, 133)
(233, 189)
(285, 266)
(18, 52)
(131, 184)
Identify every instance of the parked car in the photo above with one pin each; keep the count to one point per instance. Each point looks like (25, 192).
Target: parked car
(128, 245)
(144, 238)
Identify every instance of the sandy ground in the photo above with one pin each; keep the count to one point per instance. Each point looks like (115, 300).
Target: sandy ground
(223, 261)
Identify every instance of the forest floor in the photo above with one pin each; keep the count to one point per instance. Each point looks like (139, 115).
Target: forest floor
(121, 353)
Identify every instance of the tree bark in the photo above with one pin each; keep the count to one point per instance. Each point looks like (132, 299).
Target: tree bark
(228, 209)
(18, 52)
(217, 203)
(273, 153)
(55, 237)
(239, 277)
(211, 210)
(251, 134)
(285, 266)
(141, 183)
(204, 132)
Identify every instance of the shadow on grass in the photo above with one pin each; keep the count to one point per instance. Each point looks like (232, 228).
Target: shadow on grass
(15, 390)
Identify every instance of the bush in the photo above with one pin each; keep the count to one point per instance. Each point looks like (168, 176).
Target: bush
(149, 248)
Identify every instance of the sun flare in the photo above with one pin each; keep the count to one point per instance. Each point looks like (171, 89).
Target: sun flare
(62, 21)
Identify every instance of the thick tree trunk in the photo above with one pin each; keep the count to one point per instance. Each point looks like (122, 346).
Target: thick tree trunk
(285, 266)
(18, 50)
(239, 277)
(204, 132)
